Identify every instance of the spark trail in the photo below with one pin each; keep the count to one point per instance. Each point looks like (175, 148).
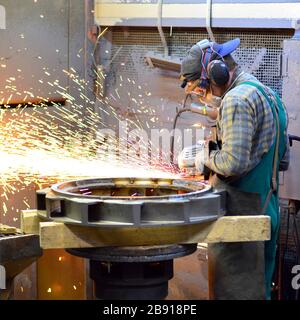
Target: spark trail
(40, 145)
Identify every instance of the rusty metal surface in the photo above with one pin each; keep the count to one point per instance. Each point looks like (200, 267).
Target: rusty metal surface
(19, 246)
(17, 252)
(26, 48)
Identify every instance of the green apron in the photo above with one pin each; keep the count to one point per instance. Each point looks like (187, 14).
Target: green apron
(236, 269)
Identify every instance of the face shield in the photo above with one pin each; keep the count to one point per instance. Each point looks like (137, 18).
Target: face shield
(203, 93)
(211, 100)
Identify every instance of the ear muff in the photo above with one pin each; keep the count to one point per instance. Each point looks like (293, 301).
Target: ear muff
(206, 57)
(218, 72)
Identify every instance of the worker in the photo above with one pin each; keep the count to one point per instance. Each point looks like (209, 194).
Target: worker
(252, 139)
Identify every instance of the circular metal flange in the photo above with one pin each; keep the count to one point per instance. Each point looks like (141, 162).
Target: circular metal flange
(135, 254)
(131, 189)
(130, 202)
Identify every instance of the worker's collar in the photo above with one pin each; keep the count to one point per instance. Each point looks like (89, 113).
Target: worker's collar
(237, 78)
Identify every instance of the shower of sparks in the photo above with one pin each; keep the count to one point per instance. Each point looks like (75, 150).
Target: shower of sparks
(44, 144)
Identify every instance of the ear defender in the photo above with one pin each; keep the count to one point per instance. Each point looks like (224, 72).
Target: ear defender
(213, 70)
(218, 72)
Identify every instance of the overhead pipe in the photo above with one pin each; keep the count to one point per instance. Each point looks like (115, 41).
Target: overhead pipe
(208, 20)
(160, 30)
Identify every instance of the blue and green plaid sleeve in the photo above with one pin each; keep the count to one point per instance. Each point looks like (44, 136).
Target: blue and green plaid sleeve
(246, 130)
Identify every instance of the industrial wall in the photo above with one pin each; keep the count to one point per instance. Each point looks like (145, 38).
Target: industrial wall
(152, 96)
(40, 39)
(194, 13)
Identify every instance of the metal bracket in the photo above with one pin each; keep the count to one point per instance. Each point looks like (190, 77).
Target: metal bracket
(296, 26)
(284, 63)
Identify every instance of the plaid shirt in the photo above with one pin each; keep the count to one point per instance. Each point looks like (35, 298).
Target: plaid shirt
(246, 128)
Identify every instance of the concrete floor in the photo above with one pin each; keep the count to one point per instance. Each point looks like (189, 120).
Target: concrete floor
(190, 280)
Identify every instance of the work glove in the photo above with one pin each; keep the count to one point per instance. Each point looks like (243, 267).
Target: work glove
(202, 157)
(186, 159)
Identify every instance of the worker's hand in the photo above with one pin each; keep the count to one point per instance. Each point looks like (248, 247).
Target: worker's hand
(186, 159)
(202, 158)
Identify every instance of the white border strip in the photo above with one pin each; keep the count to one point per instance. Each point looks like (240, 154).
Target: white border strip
(116, 13)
